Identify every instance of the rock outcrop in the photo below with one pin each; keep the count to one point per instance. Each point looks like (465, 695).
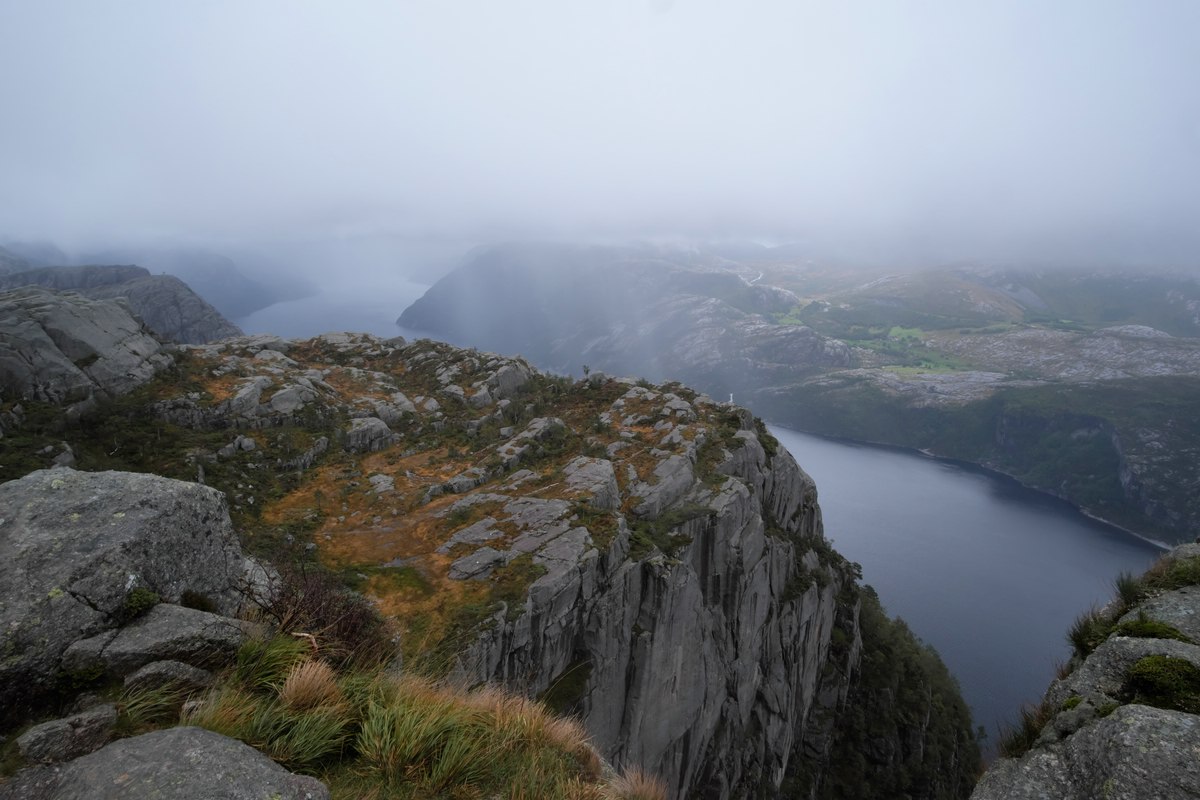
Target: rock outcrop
(81, 552)
(71, 351)
(1124, 723)
(165, 303)
(178, 762)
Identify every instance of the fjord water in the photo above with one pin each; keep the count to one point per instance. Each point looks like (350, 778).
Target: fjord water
(988, 572)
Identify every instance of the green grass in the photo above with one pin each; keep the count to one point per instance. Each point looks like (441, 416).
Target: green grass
(1144, 628)
(1165, 682)
(1089, 631)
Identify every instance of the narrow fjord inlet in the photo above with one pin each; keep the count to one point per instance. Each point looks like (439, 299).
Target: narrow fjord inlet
(988, 572)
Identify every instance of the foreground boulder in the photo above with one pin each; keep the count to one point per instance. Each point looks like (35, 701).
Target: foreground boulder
(188, 763)
(80, 552)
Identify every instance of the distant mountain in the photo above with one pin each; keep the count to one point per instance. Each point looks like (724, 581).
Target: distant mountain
(11, 262)
(165, 303)
(37, 254)
(1082, 383)
(663, 313)
(213, 276)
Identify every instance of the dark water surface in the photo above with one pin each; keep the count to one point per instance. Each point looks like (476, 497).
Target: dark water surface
(988, 572)
(358, 305)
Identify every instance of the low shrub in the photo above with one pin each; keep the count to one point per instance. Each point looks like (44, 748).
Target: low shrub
(138, 601)
(345, 626)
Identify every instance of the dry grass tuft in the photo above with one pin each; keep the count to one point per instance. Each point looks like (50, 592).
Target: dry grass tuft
(636, 784)
(568, 734)
(311, 684)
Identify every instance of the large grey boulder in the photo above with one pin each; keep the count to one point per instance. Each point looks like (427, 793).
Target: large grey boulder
(71, 737)
(368, 434)
(1137, 752)
(75, 545)
(172, 764)
(68, 350)
(166, 304)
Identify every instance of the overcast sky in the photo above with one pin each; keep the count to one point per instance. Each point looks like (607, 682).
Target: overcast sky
(969, 125)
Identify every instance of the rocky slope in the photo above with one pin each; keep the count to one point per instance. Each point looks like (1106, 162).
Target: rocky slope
(635, 554)
(166, 304)
(1123, 722)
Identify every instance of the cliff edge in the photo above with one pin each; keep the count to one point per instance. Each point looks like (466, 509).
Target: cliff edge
(1124, 719)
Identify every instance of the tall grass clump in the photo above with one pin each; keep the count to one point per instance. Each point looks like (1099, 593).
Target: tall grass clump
(636, 784)
(1089, 631)
(368, 733)
(265, 663)
(495, 742)
(310, 684)
(1130, 590)
(1018, 740)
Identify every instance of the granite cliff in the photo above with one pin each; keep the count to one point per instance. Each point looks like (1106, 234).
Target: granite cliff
(637, 555)
(166, 304)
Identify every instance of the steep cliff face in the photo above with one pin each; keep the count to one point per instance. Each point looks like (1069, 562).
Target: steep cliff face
(702, 665)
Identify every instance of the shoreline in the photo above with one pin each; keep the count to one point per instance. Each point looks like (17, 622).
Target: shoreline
(974, 465)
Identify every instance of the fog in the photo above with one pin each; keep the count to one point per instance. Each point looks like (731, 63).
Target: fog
(908, 130)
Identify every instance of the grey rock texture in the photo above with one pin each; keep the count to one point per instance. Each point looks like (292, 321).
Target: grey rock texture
(68, 350)
(1136, 753)
(73, 545)
(1102, 743)
(368, 434)
(70, 737)
(176, 763)
(703, 668)
(166, 304)
(165, 632)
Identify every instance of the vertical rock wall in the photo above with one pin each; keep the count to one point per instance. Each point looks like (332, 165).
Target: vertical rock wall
(702, 667)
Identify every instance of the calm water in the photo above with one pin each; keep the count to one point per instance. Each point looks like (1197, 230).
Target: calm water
(356, 305)
(988, 572)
